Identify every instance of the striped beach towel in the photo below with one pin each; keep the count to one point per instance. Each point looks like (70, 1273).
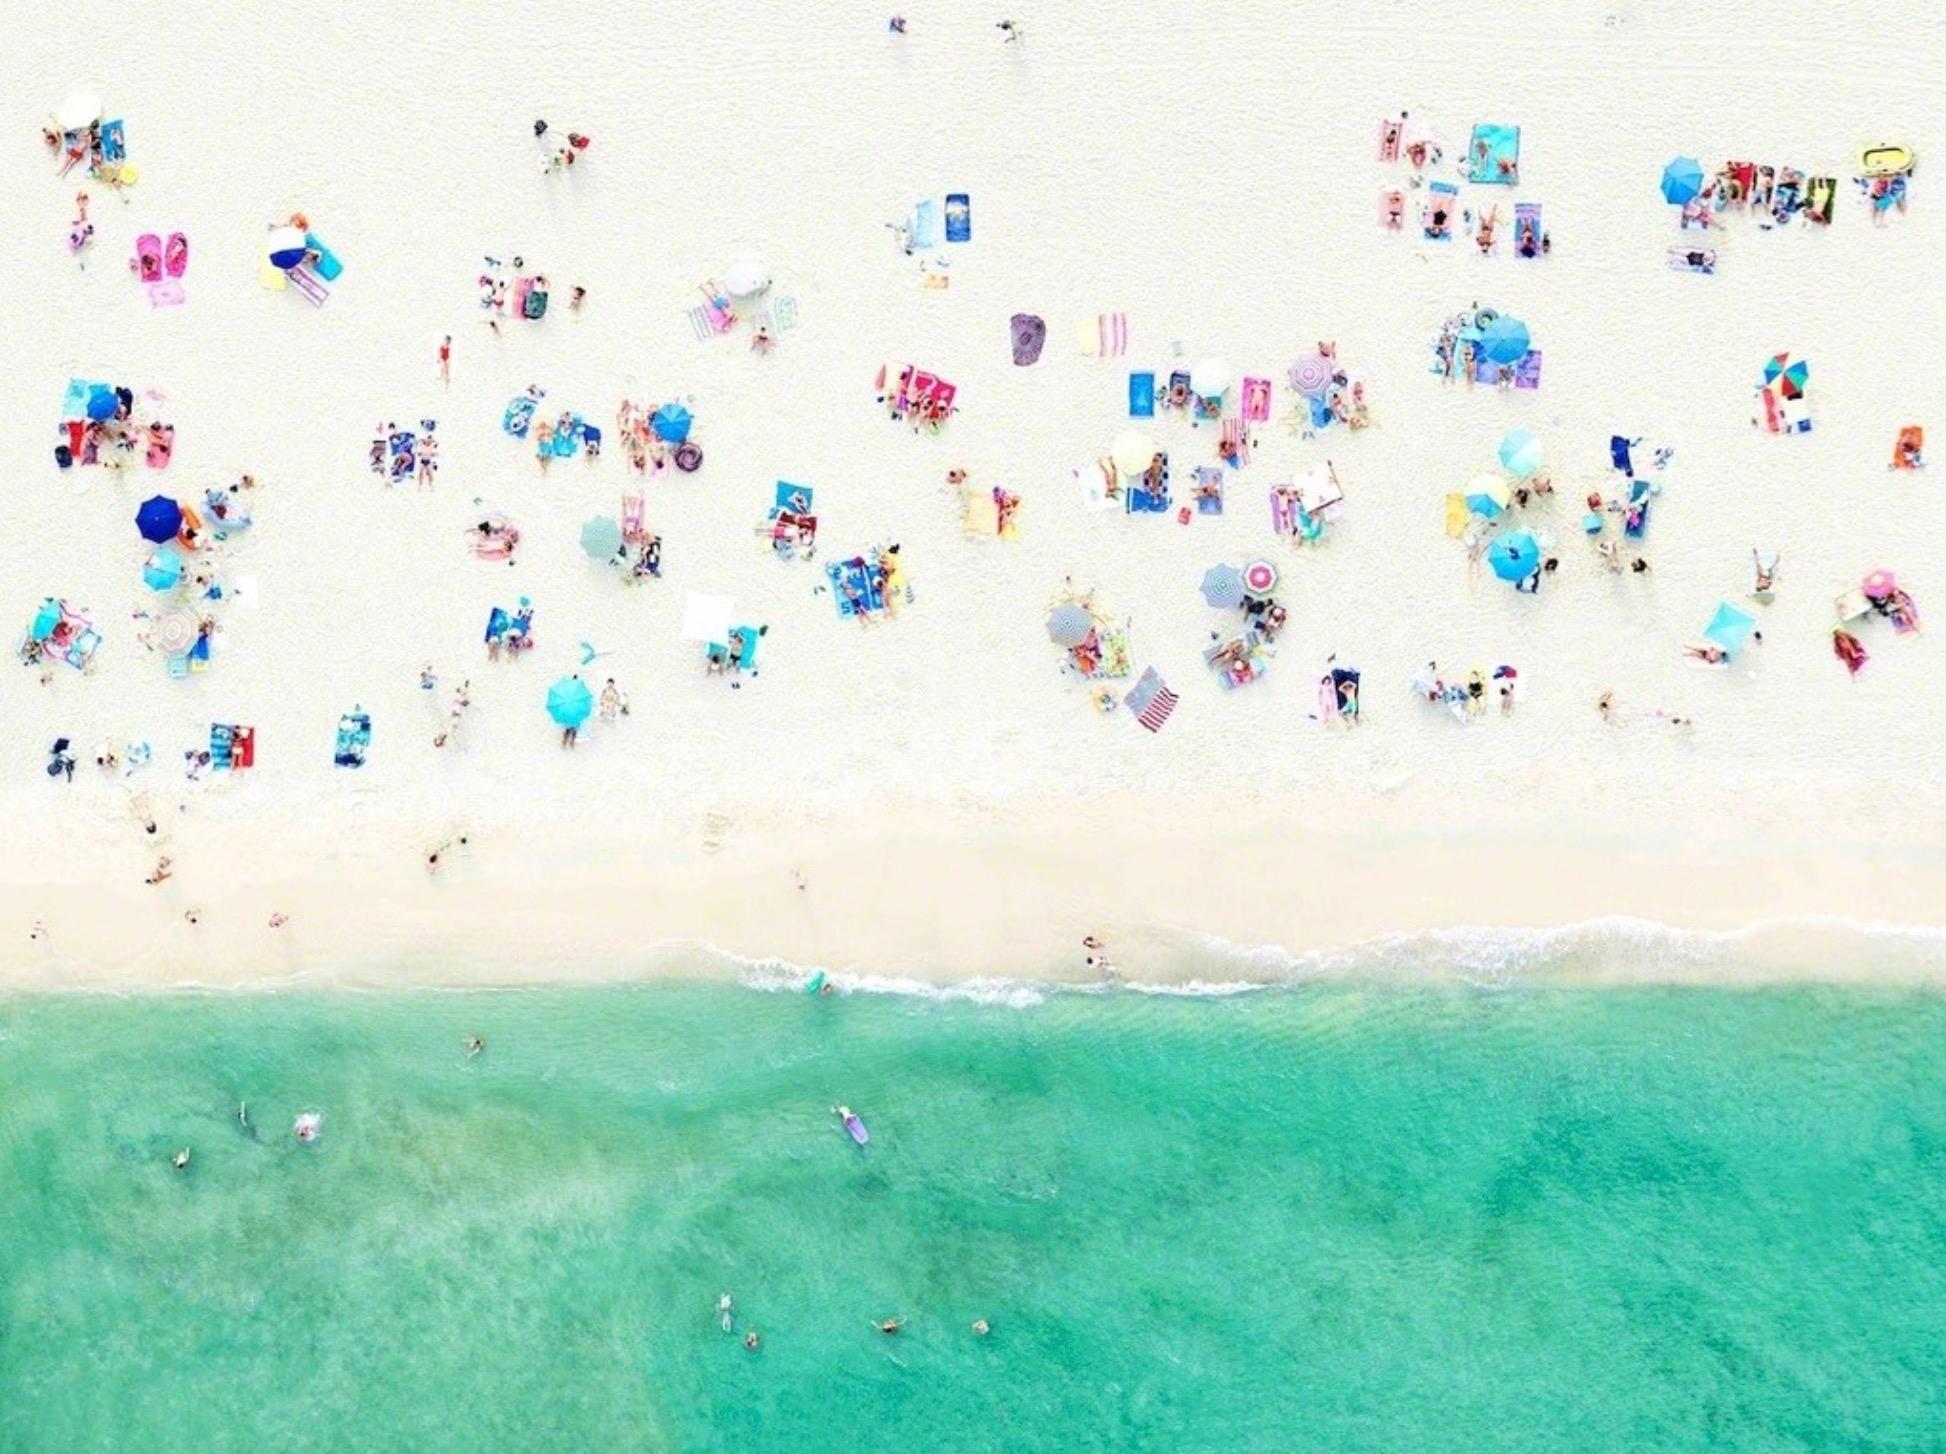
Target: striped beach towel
(1151, 700)
(1111, 335)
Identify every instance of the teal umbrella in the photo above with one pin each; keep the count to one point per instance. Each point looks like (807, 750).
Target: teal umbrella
(47, 619)
(569, 701)
(601, 537)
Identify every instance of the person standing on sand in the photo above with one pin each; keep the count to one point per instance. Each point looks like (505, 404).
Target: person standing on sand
(446, 359)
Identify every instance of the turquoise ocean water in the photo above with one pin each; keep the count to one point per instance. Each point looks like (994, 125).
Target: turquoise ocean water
(1343, 1218)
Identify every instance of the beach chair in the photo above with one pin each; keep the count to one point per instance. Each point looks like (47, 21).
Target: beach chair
(635, 525)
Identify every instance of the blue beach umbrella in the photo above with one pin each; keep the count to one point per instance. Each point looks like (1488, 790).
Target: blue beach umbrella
(1730, 628)
(569, 701)
(102, 403)
(1515, 556)
(671, 423)
(46, 619)
(1682, 180)
(1521, 453)
(159, 519)
(1487, 496)
(163, 571)
(1504, 341)
(286, 247)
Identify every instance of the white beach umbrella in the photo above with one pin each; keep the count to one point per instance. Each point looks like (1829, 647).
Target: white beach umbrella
(747, 275)
(81, 110)
(706, 618)
(1133, 451)
(1210, 377)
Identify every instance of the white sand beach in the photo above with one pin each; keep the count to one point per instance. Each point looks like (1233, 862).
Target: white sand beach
(953, 804)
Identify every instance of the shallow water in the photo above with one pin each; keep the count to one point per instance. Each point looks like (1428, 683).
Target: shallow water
(1335, 1218)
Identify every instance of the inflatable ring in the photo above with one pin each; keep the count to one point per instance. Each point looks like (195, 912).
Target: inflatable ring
(689, 458)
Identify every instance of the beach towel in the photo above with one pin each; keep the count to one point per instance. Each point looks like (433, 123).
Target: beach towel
(924, 232)
(959, 217)
(1527, 229)
(114, 141)
(1436, 215)
(784, 313)
(354, 737)
(1390, 134)
(497, 623)
(862, 582)
(1254, 404)
(1151, 700)
(1209, 490)
(1493, 158)
(1111, 335)
(1141, 396)
(1234, 443)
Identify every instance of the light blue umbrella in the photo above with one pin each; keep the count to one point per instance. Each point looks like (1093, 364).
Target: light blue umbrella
(1521, 453)
(46, 619)
(1515, 556)
(1223, 586)
(671, 423)
(601, 537)
(1730, 628)
(1682, 180)
(569, 701)
(1504, 341)
(163, 571)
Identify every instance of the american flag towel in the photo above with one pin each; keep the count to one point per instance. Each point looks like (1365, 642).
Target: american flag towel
(1151, 700)
(1111, 331)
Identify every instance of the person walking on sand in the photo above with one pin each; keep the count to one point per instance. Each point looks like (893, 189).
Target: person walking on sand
(446, 359)
(164, 866)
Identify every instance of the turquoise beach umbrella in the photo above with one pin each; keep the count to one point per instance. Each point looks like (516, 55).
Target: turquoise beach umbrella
(569, 701)
(47, 619)
(1515, 556)
(1504, 341)
(163, 571)
(1730, 628)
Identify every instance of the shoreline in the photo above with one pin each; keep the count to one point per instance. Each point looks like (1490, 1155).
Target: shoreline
(1216, 893)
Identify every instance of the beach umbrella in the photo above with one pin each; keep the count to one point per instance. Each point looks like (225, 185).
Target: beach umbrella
(1069, 624)
(1487, 496)
(670, 423)
(569, 701)
(1789, 375)
(1223, 586)
(1504, 340)
(47, 619)
(706, 618)
(1311, 375)
(1730, 628)
(1682, 180)
(102, 403)
(1132, 452)
(81, 110)
(1880, 584)
(159, 519)
(1210, 377)
(1260, 577)
(175, 633)
(163, 571)
(1521, 453)
(1515, 556)
(747, 275)
(286, 247)
(601, 537)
